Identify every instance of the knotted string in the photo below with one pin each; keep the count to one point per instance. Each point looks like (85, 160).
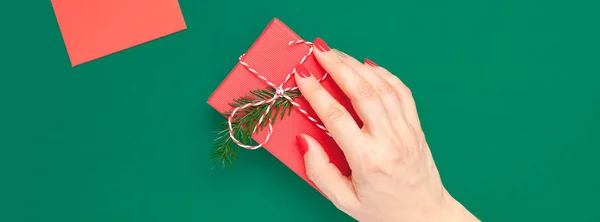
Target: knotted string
(279, 93)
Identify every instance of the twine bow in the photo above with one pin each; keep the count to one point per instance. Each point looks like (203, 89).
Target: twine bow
(279, 93)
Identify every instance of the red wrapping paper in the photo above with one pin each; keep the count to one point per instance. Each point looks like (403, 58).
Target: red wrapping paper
(92, 29)
(273, 58)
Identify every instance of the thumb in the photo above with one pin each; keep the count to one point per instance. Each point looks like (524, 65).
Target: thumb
(324, 174)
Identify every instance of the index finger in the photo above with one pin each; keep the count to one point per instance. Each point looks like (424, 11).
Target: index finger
(334, 116)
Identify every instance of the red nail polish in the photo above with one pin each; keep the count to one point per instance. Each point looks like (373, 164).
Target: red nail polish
(371, 63)
(302, 144)
(302, 71)
(321, 45)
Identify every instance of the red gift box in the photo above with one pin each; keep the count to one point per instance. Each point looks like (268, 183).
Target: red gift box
(273, 57)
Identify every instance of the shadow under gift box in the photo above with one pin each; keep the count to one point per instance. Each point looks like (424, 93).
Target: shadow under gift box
(273, 57)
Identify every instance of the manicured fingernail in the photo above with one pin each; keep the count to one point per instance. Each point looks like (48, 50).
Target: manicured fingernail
(302, 71)
(302, 144)
(371, 63)
(321, 45)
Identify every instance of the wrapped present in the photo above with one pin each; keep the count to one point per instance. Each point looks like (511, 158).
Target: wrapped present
(259, 99)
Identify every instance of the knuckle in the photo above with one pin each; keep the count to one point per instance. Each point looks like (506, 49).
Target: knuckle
(337, 65)
(399, 157)
(401, 86)
(400, 152)
(312, 89)
(384, 89)
(364, 90)
(394, 80)
(406, 90)
(313, 175)
(336, 112)
(373, 166)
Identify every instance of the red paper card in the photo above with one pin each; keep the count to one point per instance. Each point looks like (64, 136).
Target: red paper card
(95, 28)
(273, 58)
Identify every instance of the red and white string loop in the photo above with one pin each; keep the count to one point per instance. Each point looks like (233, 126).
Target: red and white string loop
(279, 93)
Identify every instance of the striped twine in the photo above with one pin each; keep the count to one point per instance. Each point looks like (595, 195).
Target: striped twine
(279, 93)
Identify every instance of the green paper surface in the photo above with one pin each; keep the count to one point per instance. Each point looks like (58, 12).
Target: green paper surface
(507, 93)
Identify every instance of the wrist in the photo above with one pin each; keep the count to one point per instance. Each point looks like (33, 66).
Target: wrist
(455, 211)
(445, 209)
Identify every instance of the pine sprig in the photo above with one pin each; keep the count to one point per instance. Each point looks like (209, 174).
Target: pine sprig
(225, 150)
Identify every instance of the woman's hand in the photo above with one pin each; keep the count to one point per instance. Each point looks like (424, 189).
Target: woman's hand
(394, 177)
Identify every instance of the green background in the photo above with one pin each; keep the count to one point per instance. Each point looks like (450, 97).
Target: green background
(507, 92)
